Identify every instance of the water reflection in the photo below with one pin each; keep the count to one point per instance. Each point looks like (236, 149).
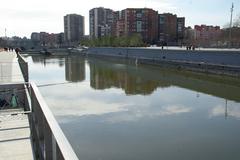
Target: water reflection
(48, 60)
(144, 79)
(107, 75)
(228, 110)
(141, 79)
(75, 69)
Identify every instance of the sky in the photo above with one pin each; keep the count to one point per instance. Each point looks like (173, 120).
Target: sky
(22, 17)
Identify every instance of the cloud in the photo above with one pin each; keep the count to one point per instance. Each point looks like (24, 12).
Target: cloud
(220, 110)
(84, 107)
(147, 112)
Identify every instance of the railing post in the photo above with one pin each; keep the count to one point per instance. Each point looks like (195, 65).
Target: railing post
(48, 141)
(59, 154)
(54, 147)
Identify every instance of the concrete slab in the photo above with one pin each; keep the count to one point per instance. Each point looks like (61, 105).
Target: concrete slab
(10, 71)
(15, 141)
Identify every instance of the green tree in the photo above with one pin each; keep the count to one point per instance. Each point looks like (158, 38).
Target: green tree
(110, 41)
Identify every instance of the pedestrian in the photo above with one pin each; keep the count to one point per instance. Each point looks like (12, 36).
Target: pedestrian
(193, 48)
(14, 101)
(17, 50)
(190, 47)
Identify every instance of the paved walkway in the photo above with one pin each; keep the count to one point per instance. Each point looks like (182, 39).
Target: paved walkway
(15, 141)
(10, 71)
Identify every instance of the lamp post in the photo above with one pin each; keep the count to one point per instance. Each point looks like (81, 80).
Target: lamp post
(230, 27)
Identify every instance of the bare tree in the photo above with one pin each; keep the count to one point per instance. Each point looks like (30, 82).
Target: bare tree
(237, 21)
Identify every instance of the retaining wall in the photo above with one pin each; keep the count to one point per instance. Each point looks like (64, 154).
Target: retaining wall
(219, 62)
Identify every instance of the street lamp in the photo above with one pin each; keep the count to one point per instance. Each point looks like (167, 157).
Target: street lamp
(230, 27)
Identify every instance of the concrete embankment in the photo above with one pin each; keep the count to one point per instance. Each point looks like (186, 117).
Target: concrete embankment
(226, 62)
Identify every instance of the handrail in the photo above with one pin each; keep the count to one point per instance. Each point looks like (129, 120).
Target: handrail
(47, 135)
(24, 67)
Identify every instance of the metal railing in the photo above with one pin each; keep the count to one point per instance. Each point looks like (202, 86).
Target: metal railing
(24, 67)
(49, 142)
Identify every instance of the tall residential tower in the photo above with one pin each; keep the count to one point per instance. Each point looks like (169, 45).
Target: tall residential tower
(142, 21)
(73, 28)
(101, 22)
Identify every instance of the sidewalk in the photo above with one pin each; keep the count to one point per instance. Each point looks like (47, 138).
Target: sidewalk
(10, 71)
(15, 142)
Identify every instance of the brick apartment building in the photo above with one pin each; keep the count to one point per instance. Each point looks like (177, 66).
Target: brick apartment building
(206, 35)
(153, 27)
(102, 22)
(141, 21)
(170, 29)
(44, 39)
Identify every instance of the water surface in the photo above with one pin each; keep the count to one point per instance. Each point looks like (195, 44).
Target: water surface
(117, 110)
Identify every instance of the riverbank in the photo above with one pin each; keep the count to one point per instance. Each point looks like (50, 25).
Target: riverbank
(223, 62)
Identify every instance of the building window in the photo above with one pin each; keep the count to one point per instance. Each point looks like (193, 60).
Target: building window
(139, 26)
(139, 15)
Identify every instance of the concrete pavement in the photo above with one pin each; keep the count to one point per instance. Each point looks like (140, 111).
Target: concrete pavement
(15, 143)
(10, 71)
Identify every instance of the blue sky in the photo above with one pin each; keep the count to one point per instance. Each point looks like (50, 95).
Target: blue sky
(26, 16)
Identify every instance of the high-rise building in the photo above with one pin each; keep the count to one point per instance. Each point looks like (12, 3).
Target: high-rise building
(170, 29)
(35, 36)
(73, 28)
(167, 28)
(141, 21)
(180, 29)
(101, 22)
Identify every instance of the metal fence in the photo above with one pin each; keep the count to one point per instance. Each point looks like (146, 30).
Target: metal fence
(24, 67)
(48, 140)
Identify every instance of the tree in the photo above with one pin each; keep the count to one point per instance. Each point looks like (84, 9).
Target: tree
(3, 43)
(237, 21)
(134, 40)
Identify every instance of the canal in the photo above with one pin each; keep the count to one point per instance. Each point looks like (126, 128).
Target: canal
(119, 110)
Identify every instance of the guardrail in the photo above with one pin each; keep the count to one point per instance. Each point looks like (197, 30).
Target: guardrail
(49, 142)
(24, 67)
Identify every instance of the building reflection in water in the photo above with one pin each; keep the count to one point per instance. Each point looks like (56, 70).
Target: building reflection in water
(45, 60)
(75, 69)
(144, 80)
(107, 75)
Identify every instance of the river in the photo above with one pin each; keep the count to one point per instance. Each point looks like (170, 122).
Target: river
(119, 110)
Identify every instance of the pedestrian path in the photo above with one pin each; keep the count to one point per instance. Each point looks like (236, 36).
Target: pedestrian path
(10, 71)
(15, 143)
